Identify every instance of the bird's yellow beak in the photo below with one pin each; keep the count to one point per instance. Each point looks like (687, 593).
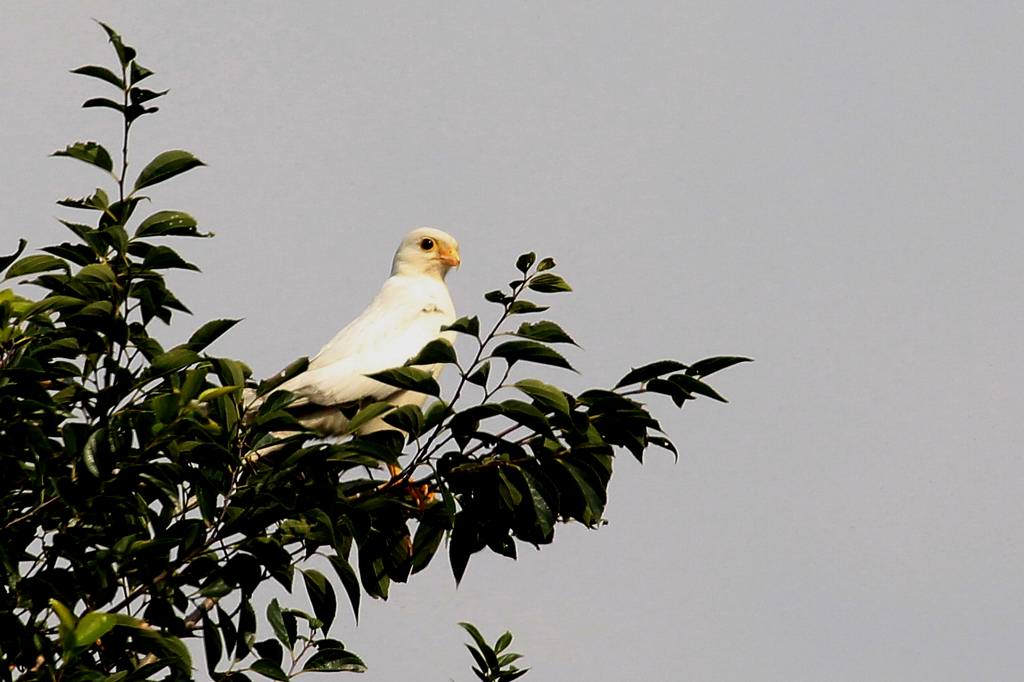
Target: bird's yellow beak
(450, 257)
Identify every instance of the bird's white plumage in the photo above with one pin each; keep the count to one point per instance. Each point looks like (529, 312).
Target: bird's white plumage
(407, 313)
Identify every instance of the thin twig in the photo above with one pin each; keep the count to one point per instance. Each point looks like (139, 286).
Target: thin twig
(29, 513)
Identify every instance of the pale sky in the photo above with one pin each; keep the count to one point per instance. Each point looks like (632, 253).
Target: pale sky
(831, 188)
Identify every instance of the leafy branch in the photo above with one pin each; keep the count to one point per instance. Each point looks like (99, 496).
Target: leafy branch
(493, 662)
(134, 514)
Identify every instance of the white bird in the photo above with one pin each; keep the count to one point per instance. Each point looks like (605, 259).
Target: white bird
(406, 314)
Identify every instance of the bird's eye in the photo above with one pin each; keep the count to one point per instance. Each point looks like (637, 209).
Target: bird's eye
(427, 244)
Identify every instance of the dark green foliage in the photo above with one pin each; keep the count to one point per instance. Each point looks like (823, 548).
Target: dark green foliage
(492, 662)
(142, 504)
(409, 378)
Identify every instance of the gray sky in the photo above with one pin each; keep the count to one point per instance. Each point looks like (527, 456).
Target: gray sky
(831, 189)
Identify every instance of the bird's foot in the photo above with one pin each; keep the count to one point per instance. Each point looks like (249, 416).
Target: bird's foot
(422, 495)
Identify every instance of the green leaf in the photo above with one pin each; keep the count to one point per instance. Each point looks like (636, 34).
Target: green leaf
(169, 224)
(488, 654)
(54, 303)
(425, 543)
(37, 263)
(209, 333)
(437, 411)
(545, 264)
(334, 660)
(98, 272)
(136, 110)
(269, 650)
(274, 558)
(321, 596)
(142, 95)
(97, 309)
(269, 669)
(125, 54)
(508, 658)
(694, 385)
(103, 102)
(7, 260)
(524, 262)
(527, 415)
(246, 629)
(112, 222)
(522, 307)
(530, 351)
(276, 620)
(168, 650)
(665, 443)
(98, 201)
(545, 331)
(591, 492)
(707, 366)
(544, 518)
(165, 408)
(408, 418)
(548, 283)
(177, 653)
(211, 643)
(295, 368)
(502, 644)
(650, 371)
(89, 152)
(66, 620)
(675, 391)
(481, 643)
(137, 72)
(79, 254)
(216, 392)
(547, 395)
(464, 325)
(463, 542)
(436, 351)
(372, 570)
(466, 423)
(367, 414)
(410, 379)
(87, 234)
(231, 372)
(447, 499)
(348, 580)
(174, 359)
(90, 450)
(479, 377)
(508, 492)
(166, 166)
(103, 73)
(227, 629)
(165, 258)
(478, 657)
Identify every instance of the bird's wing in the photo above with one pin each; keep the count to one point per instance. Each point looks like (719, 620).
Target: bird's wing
(398, 323)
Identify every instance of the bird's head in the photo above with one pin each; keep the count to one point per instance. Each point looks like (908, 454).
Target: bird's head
(426, 250)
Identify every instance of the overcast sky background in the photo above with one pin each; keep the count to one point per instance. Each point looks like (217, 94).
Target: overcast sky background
(831, 188)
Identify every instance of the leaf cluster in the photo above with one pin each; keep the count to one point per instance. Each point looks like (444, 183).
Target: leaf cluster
(149, 491)
(493, 663)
